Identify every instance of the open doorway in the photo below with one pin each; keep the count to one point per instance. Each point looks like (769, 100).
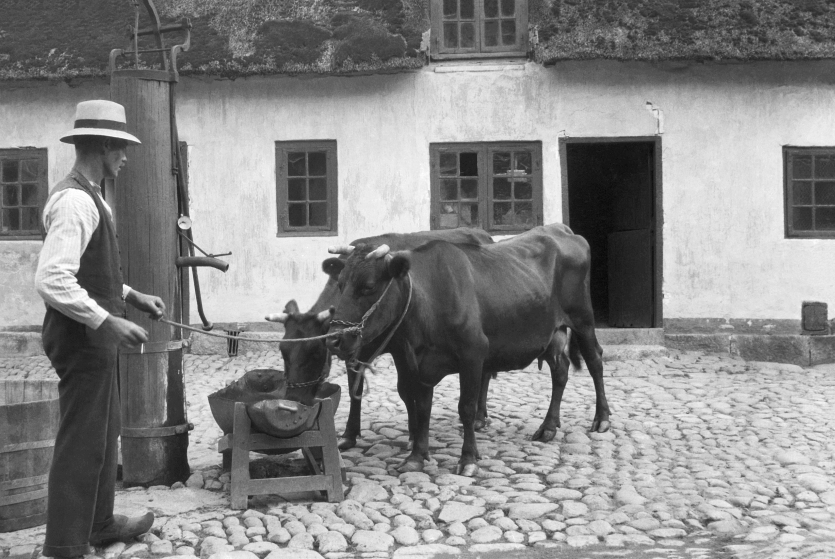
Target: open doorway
(612, 196)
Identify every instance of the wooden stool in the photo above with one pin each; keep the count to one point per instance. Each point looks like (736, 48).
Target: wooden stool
(242, 440)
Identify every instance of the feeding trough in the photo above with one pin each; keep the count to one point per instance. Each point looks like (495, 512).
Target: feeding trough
(255, 415)
(254, 386)
(263, 391)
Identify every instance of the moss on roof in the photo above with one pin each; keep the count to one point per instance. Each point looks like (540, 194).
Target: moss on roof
(685, 29)
(60, 39)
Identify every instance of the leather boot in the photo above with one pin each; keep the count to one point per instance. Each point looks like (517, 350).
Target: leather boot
(123, 529)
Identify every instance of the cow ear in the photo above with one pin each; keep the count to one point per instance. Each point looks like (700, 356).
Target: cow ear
(398, 266)
(292, 307)
(332, 267)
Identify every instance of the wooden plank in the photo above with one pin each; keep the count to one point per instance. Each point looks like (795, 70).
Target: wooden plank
(632, 188)
(331, 459)
(292, 484)
(260, 441)
(240, 458)
(311, 461)
(630, 279)
(31, 391)
(14, 392)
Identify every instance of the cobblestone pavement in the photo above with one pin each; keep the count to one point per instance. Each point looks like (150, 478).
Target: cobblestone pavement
(707, 457)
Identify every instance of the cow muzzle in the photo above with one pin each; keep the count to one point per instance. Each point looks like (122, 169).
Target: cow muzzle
(345, 345)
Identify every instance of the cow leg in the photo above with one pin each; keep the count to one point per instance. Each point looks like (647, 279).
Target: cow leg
(418, 400)
(482, 420)
(411, 393)
(470, 391)
(592, 353)
(352, 427)
(558, 363)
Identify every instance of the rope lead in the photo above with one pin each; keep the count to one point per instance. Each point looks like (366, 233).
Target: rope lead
(247, 339)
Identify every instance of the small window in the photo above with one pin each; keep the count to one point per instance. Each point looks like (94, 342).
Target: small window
(497, 187)
(810, 192)
(306, 188)
(479, 28)
(24, 191)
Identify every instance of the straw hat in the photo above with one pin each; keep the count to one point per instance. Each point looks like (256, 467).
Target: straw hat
(100, 118)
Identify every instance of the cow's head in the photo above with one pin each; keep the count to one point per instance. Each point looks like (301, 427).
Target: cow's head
(362, 280)
(304, 362)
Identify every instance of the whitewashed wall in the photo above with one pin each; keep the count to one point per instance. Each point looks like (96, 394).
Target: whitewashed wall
(35, 114)
(725, 254)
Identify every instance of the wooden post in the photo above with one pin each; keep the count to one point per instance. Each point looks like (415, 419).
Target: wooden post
(154, 427)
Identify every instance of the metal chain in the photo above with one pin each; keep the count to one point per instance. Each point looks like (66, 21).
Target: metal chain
(326, 370)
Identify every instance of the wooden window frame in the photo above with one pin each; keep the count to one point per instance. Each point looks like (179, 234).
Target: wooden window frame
(284, 227)
(20, 154)
(788, 185)
(439, 52)
(485, 184)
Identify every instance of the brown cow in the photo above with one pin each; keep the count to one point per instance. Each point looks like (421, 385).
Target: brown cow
(472, 310)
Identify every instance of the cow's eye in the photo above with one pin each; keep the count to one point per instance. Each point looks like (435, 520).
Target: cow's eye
(366, 289)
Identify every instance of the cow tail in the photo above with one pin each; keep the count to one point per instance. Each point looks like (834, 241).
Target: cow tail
(574, 351)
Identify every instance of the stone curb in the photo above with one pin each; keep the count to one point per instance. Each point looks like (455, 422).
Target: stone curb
(805, 351)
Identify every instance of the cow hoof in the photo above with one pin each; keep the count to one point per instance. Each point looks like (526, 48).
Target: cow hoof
(410, 465)
(544, 435)
(600, 426)
(347, 442)
(481, 424)
(467, 470)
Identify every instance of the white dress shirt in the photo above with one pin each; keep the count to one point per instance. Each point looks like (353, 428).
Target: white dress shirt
(70, 217)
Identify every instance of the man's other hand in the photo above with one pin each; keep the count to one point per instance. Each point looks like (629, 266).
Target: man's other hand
(151, 304)
(122, 332)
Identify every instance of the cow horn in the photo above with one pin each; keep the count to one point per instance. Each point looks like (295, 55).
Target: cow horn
(325, 315)
(277, 317)
(378, 252)
(341, 249)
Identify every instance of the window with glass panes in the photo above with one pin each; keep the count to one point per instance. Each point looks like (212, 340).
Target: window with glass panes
(477, 28)
(810, 192)
(23, 192)
(494, 186)
(306, 187)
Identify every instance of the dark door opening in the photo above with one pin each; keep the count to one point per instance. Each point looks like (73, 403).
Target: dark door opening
(611, 192)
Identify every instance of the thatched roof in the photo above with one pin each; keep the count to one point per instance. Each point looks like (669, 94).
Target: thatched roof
(61, 39)
(685, 29)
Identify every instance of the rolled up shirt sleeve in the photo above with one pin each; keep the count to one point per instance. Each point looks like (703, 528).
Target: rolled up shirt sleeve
(70, 218)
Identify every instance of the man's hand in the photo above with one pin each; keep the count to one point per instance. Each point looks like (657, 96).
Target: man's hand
(122, 332)
(151, 304)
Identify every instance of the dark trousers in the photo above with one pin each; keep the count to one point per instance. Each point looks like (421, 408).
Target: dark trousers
(82, 479)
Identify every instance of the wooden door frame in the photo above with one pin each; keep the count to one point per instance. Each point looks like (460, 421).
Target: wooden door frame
(658, 206)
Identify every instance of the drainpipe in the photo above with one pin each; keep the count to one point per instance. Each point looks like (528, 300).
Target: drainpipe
(658, 115)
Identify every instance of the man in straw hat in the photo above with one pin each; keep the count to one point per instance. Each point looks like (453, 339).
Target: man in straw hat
(79, 277)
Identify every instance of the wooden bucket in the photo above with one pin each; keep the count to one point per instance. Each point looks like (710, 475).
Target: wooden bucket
(29, 416)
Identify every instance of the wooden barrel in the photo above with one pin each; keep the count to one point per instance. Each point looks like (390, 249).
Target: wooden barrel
(29, 415)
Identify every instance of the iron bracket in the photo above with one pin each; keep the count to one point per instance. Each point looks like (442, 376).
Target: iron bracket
(167, 55)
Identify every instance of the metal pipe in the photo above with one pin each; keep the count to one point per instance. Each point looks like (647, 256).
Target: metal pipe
(192, 261)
